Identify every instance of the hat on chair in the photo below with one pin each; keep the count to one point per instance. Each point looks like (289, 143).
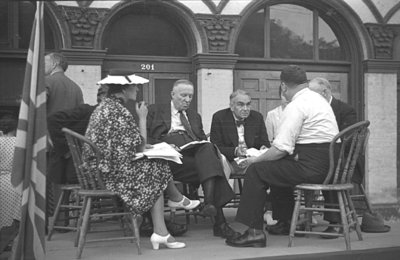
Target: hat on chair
(122, 77)
(373, 223)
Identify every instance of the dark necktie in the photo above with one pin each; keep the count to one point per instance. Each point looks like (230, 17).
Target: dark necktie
(186, 125)
(239, 123)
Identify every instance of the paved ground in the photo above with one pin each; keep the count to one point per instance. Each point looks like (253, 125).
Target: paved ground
(202, 245)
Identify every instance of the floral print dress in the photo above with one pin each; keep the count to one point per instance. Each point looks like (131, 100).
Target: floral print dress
(139, 183)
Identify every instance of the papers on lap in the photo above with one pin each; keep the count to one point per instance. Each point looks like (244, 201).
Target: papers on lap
(191, 144)
(161, 151)
(251, 152)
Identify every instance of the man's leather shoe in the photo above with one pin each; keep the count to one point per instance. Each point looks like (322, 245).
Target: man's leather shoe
(280, 228)
(175, 229)
(251, 238)
(225, 231)
(146, 228)
(332, 230)
(208, 210)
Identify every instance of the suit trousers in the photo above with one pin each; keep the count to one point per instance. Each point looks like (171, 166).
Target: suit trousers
(200, 163)
(308, 164)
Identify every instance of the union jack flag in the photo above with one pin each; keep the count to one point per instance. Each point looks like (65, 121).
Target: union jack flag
(29, 166)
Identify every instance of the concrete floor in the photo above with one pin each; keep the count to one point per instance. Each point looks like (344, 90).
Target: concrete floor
(201, 244)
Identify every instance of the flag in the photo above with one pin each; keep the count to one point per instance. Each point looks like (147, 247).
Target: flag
(29, 165)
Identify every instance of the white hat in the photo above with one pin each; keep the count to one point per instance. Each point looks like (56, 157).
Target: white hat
(122, 77)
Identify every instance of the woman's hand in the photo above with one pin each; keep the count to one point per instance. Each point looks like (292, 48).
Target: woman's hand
(141, 110)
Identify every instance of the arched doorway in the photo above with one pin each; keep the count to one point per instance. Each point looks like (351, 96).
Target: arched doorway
(154, 40)
(313, 35)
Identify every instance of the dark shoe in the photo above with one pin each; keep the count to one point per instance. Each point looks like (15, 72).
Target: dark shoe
(225, 231)
(251, 238)
(280, 228)
(176, 229)
(332, 230)
(208, 210)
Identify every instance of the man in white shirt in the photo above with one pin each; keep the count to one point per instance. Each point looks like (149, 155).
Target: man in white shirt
(299, 153)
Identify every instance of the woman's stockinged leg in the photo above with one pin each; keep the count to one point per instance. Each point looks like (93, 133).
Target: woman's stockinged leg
(173, 193)
(161, 235)
(157, 215)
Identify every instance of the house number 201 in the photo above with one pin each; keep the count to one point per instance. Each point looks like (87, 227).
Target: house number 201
(147, 66)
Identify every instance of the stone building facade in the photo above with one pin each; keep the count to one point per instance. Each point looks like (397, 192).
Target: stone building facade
(223, 45)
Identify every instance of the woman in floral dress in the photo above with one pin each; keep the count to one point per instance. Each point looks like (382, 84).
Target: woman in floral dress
(139, 183)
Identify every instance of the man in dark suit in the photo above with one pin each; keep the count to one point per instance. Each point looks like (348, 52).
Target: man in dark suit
(238, 124)
(345, 116)
(176, 124)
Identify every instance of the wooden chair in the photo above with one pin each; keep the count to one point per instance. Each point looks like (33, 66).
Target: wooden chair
(93, 192)
(67, 206)
(359, 196)
(338, 180)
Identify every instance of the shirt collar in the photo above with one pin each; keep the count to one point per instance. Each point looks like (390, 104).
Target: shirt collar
(174, 111)
(304, 90)
(330, 100)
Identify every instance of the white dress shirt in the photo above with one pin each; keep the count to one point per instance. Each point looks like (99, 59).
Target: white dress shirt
(272, 122)
(308, 118)
(176, 124)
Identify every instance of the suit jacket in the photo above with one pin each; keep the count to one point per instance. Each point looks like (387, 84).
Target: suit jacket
(224, 132)
(346, 116)
(159, 123)
(62, 93)
(344, 113)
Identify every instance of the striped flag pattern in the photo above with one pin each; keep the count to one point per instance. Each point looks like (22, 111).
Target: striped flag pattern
(29, 166)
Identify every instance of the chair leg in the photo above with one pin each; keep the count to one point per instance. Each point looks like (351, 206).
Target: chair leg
(366, 200)
(345, 223)
(84, 229)
(80, 220)
(354, 215)
(136, 233)
(55, 215)
(308, 200)
(295, 216)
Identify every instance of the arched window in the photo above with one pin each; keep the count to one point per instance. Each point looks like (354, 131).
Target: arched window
(287, 31)
(141, 30)
(16, 19)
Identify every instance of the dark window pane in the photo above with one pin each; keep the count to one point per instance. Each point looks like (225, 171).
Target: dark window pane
(4, 24)
(144, 33)
(251, 38)
(329, 47)
(26, 16)
(291, 32)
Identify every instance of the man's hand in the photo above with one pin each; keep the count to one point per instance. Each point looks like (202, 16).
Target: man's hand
(148, 146)
(246, 162)
(175, 147)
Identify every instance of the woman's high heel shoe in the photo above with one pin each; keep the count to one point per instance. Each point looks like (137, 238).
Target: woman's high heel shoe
(156, 240)
(192, 204)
